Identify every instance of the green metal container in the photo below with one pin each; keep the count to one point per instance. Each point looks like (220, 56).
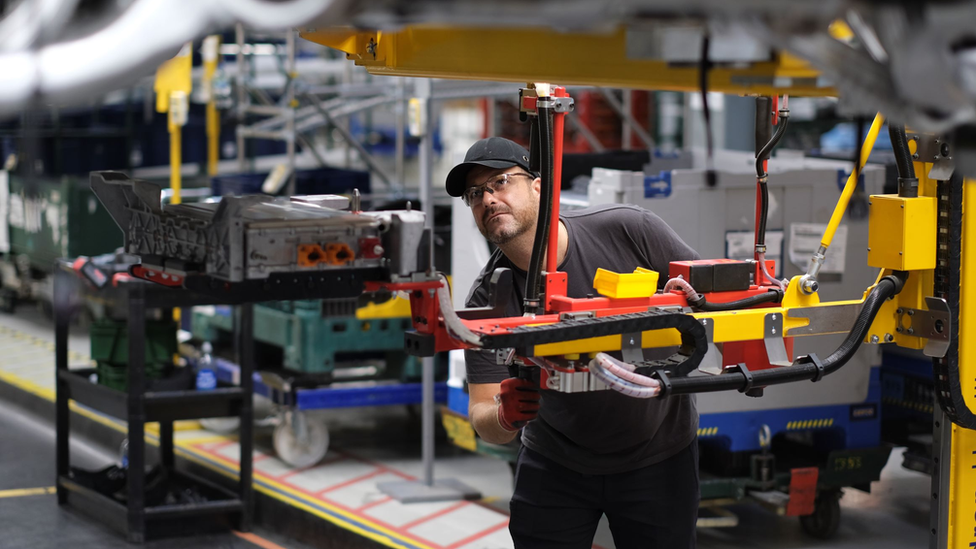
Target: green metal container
(110, 342)
(310, 341)
(49, 218)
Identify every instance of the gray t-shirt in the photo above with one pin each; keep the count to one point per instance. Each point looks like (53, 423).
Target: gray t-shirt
(601, 432)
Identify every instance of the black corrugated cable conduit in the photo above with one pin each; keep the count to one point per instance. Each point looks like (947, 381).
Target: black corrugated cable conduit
(533, 277)
(907, 182)
(805, 367)
(772, 296)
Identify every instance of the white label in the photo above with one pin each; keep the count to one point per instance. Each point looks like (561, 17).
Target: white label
(805, 241)
(741, 245)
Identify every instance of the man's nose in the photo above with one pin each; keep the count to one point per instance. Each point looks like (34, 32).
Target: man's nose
(488, 197)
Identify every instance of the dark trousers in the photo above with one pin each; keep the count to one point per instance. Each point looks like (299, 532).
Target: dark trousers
(650, 508)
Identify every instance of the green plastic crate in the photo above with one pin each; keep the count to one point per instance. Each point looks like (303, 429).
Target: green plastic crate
(110, 342)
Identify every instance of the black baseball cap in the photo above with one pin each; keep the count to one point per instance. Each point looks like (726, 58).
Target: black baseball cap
(494, 152)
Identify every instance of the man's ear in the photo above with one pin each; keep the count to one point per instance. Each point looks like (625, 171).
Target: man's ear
(537, 185)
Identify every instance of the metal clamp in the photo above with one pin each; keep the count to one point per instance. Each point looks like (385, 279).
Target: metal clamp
(742, 369)
(935, 324)
(665, 382)
(812, 358)
(563, 104)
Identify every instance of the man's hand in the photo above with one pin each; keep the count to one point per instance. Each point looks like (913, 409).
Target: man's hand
(518, 403)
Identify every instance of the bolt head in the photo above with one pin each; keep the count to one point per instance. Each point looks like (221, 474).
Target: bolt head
(889, 338)
(875, 339)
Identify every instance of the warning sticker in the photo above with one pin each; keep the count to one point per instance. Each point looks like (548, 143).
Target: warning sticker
(805, 241)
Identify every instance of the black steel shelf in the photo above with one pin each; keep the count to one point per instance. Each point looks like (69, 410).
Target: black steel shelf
(143, 402)
(158, 405)
(158, 519)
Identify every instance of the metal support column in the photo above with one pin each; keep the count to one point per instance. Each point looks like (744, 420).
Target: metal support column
(427, 489)
(290, 110)
(401, 114)
(137, 415)
(241, 98)
(246, 437)
(62, 319)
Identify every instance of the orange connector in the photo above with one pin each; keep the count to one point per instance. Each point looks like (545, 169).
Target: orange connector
(336, 253)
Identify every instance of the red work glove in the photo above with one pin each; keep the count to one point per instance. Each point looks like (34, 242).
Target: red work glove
(518, 403)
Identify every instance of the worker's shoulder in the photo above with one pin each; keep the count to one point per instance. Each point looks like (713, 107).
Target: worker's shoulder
(611, 214)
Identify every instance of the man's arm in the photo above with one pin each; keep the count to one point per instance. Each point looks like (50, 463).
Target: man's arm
(483, 413)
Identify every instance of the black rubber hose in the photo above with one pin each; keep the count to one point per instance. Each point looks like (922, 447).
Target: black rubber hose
(761, 175)
(772, 296)
(729, 381)
(534, 275)
(907, 182)
(784, 120)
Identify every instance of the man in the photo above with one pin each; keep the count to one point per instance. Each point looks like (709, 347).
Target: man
(585, 454)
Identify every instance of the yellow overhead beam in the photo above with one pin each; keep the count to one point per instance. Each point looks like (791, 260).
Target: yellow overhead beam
(546, 55)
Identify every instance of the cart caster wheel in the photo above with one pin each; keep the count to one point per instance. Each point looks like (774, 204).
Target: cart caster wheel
(297, 448)
(221, 425)
(825, 519)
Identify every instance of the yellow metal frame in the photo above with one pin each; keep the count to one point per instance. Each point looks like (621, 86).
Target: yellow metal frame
(530, 54)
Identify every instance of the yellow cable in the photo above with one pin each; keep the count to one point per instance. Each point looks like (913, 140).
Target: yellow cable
(845, 197)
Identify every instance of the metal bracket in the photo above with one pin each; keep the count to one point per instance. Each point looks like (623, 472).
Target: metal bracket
(576, 315)
(563, 104)
(504, 357)
(773, 338)
(937, 150)
(712, 361)
(934, 324)
(630, 347)
(825, 319)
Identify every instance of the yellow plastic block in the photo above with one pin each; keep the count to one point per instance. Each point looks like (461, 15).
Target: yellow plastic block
(640, 283)
(397, 307)
(902, 233)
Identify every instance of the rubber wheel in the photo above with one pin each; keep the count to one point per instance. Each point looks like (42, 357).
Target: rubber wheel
(825, 519)
(297, 453)
(221, 425)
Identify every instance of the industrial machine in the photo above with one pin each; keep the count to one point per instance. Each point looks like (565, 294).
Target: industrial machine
(918, 238)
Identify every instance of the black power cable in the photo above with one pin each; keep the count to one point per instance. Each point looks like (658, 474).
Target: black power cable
(907, 182)
(762, 177)
(704, 67)
(774, 295)
(531, 303)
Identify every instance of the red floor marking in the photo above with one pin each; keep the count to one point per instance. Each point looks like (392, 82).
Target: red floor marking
(479, 535)
(440, 513)
(377, 464)
(351, 481)
(372, 504)
(259, 457)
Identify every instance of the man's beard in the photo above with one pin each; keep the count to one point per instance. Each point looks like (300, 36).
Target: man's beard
(499, 238)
